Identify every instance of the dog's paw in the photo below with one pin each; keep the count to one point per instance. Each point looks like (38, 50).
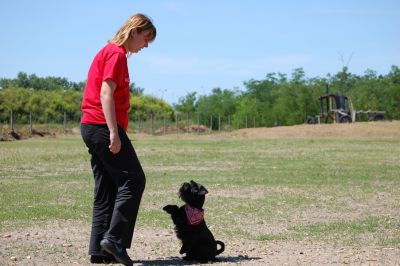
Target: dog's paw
(182, 251)
(171, 209)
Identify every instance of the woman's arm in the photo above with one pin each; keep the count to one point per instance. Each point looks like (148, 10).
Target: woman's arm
(108, 104)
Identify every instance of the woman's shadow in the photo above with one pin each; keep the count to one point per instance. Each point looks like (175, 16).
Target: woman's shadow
(180, 261)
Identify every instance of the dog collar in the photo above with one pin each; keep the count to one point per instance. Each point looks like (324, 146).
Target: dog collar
(194, 216)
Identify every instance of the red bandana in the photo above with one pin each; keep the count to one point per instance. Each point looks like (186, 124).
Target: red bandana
(194, 216)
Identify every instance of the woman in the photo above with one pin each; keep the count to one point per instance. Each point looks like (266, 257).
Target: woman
(118, 175)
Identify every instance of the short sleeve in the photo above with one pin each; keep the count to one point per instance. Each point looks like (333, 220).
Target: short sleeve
(113, 68)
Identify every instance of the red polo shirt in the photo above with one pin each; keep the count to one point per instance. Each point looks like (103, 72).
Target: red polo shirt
(109, 63)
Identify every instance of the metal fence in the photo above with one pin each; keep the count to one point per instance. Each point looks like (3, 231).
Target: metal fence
(149, 124)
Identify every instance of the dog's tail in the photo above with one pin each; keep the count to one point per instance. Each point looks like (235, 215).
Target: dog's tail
(219, 251)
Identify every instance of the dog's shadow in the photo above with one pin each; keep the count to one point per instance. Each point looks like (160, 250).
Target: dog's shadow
(180, 261)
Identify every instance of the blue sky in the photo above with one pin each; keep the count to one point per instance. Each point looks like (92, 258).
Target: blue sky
(202, 44)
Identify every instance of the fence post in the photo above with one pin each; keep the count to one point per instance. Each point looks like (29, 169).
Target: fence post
(164, 125)
(152, 124)
(30, 122)
(11, 121)
(138, 123)
(65, 122)
(198, 123)
(187, 123)
(211, 122)
(176, 123)
(246, 121)
(254, 121)
(219, 123)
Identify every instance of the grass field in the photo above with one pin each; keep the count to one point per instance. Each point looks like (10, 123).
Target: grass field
(332, 191)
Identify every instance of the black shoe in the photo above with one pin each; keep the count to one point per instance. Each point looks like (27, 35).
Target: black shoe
(117, 251)
(102, 259)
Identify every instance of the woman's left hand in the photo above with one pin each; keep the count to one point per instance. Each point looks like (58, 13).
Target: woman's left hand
(115, 143)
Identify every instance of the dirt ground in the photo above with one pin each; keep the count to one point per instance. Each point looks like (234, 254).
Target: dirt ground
(383, 129)
(373, 130)
(65, 242)
(356, 130)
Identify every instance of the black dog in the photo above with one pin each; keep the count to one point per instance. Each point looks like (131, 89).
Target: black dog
(198, 242)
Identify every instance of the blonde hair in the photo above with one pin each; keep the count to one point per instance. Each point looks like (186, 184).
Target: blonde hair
(139, 22)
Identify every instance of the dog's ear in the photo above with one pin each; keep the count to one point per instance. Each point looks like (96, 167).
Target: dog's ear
(186, 187)
(202, 190)
(194, 187)
(197, 188)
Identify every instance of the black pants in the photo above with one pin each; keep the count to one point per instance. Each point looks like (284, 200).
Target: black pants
(119, 185)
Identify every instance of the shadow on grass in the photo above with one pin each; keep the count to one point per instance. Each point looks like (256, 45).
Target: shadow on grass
(180, 261)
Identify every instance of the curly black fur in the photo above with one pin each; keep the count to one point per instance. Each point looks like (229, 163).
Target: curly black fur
(198, 243)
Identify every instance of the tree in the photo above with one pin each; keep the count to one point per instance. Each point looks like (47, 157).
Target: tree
(136, 90)
(273, 99)
(186, 104)
(34, 82)
(146, 106)
(247, 112)
(220, 103)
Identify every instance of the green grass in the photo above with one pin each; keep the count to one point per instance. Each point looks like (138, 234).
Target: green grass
(351, 233)
(339, 190)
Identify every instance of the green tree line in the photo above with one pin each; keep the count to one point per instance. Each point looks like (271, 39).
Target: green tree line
(32, 81)
(47, 99)
(275, 99)
(289, 100)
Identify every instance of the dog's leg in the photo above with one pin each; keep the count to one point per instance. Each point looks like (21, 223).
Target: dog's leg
(171, 209)
(183, 250)
(187, 245)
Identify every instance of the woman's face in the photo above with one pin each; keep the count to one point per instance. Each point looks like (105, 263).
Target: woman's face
(137, 41)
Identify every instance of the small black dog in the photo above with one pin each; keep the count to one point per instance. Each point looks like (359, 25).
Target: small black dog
(198, 242)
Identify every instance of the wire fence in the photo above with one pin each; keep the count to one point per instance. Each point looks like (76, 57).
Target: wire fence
(29, 123)
(15, 125)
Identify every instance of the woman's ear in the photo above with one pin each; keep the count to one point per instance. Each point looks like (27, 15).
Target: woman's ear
(133, 31)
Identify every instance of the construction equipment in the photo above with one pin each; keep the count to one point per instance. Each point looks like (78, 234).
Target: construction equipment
(338, 108)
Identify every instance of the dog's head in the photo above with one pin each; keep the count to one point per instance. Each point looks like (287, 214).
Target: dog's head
(193, 194)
